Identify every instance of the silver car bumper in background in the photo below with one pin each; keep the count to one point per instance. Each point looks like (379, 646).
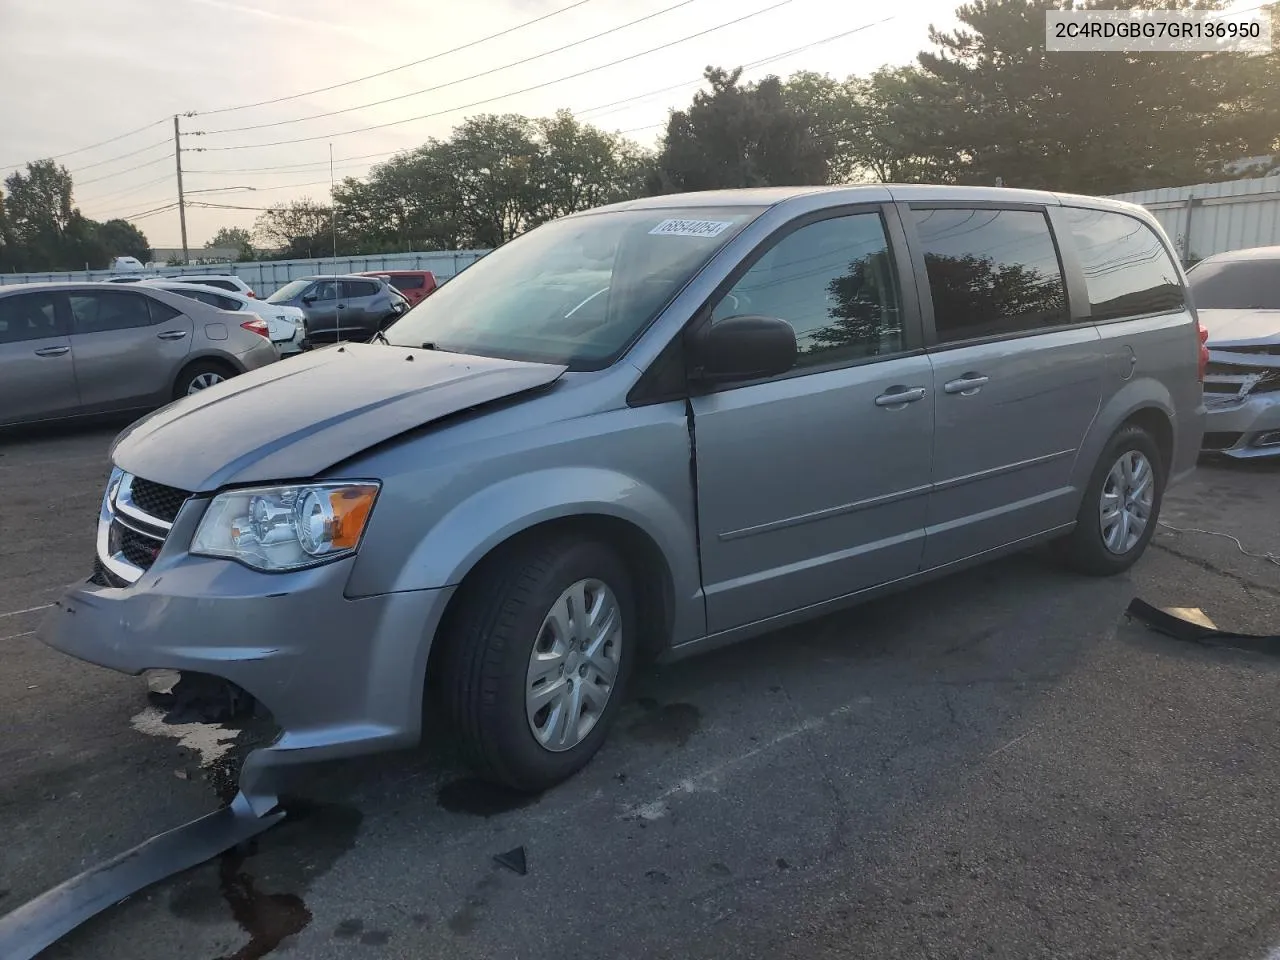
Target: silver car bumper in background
(1242, 399)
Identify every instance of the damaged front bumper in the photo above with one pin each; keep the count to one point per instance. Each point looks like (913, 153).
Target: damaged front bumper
(1242, 402)
(340, 676)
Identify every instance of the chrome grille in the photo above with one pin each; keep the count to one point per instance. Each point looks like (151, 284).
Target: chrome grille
(129, 534)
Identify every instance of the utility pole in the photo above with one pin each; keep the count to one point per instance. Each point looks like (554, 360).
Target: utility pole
(333, 211)
(182, 203)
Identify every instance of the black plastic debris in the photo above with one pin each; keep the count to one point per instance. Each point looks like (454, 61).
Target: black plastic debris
(513, 860)
(1180, 628)
(32, 927)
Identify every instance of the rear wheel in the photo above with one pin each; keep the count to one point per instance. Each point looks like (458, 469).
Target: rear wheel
(200, 375)
(537, 655)
(1121, 506)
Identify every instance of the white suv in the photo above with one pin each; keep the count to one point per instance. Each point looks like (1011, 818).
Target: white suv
(222, 281)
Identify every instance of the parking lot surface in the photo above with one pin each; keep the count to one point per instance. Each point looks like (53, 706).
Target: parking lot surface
(996, 764)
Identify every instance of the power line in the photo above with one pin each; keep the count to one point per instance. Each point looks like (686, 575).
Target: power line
(299, 166)
(89, 166)
(513, 93)
(92, 146)
(606, 107)
(403, 66)
(453, 83)
(120, 173)
(150, 213)
(125, 192)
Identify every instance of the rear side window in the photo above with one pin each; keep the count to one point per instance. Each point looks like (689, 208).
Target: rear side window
(1127, 269)
(360, 288)
(102, 312)
(31, 316)
(991, 272)
(161, 312)
(220, 284)
(409, 282)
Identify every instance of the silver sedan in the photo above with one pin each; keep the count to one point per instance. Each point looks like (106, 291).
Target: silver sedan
(79, 349)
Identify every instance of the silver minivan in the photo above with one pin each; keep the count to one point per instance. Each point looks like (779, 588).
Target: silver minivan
(645, 431)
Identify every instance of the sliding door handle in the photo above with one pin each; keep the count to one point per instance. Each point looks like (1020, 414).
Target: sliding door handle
(897, 397)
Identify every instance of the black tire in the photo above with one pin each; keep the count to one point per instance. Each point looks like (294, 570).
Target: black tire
(1084, 550)
(201, 368)
(489, 639)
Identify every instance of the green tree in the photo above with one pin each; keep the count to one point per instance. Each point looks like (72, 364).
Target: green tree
(1091, 122)
(737, 135)
(299, 229)
(580, 166)
(120, 238)
(40, 213)
(234, 238)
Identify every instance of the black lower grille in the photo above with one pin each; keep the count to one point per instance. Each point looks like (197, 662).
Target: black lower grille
(138, 549)
(1220, 440)
(104, 577)
(159, 501)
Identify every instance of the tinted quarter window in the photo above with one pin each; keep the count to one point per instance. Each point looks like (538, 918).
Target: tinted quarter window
(161, 311)
(101, 312)
(834, 282)
(31, 316)
(1126, 267)
(1252, 284)
(991, 272)
(408, 283)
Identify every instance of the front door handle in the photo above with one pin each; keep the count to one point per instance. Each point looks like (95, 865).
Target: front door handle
(967, 385)
(52, 351)
(895, 398)
(171, 335)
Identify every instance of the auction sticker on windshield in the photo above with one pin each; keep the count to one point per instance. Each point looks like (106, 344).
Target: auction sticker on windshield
(691, 228)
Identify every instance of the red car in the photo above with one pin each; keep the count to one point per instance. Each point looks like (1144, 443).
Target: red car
(416, 285)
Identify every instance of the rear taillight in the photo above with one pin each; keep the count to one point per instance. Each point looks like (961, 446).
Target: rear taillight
(1203, 334)
(258, 326)
(252, 294)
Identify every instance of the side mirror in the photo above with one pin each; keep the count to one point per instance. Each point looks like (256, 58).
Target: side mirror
(743, 348)
(309, 299)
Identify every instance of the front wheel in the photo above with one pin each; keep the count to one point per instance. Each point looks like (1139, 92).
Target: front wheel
(536, 659)
(1121, 506)
(200, 375)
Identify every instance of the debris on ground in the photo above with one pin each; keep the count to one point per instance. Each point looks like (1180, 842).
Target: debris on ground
(513, 860)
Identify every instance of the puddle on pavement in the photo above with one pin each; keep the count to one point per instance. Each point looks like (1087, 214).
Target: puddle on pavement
(480, 798)
(670, 723)
(305, 846)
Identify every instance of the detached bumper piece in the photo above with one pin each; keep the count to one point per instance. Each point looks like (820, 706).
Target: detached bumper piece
(35, 925)
(1180, 628)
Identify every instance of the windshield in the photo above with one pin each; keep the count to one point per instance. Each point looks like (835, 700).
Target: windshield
(1235, 284)
(289, 291)
(576, 291)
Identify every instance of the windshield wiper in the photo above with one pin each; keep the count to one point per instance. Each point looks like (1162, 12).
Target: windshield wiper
(382, 338)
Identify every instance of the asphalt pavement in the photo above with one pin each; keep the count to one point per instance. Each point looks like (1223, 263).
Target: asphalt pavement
(996, 764)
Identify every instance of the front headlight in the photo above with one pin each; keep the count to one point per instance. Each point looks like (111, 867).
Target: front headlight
(286, 528)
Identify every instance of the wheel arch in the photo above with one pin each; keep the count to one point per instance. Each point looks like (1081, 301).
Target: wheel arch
(1146, 403)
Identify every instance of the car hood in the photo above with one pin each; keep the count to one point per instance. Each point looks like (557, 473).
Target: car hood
(294, 419)
(1240, 327)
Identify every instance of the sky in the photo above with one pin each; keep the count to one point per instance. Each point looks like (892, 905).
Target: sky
(89, 71)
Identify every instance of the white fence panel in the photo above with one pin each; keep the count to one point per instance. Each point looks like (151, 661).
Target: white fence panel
(1208, 218)
(267, 276)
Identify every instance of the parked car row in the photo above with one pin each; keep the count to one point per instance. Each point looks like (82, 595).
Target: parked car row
(79, 349)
